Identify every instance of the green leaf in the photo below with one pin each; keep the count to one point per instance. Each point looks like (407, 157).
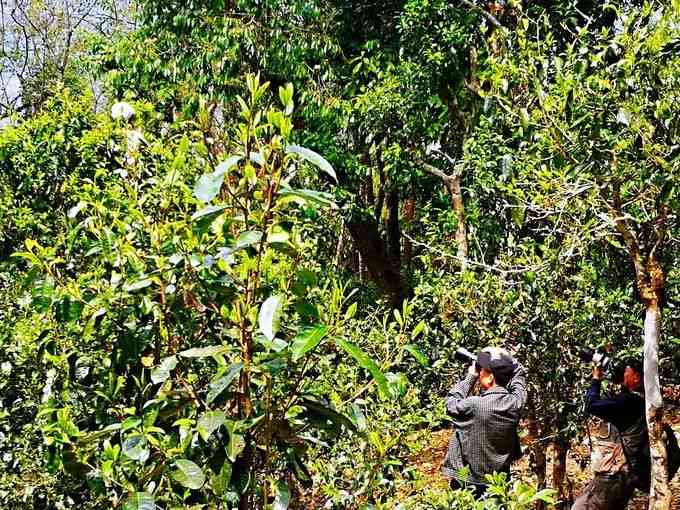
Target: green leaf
(307, 341)
(226, 165)
(162, 371)
(208, 186)
(209, 422)
(325, 412)
(208, 211)
(140, 501)
(188, 474)
(282, 498)
(415, 352)
(367, 363)
(219, 384)
(220, 482)
(270, 316)
(313, 158)
(138, 285)
(398, 384)
(134, 447)
(247, 238)
(306, 197)
(204, 352)
(359, 418)
(236, 441)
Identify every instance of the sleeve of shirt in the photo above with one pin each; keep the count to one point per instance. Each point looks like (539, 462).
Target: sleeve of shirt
(611, 409)
(457, 403)
(517, 387)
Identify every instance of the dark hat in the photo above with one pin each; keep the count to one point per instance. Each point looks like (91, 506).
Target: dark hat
(502, 367)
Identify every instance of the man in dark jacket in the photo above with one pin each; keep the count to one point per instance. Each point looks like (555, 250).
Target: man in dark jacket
(620, 458)
(484, 437)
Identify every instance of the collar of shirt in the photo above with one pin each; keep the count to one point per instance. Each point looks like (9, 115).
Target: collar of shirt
(496, 390)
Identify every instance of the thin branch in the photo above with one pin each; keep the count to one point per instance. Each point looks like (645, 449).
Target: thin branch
(463, 260)
(490, 17)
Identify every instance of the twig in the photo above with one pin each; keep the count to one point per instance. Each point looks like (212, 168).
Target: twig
(514, 270)
(490, 17)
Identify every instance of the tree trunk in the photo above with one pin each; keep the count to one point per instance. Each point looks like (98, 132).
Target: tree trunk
(393, 228)
(375, 254)
(558, 469)
(537, 458)
(409, 212)
(659, 494)
(453, 185)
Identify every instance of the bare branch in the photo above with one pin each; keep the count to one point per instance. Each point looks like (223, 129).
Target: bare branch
(490, 17)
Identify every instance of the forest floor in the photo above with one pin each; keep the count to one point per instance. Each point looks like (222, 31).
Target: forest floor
(428, 461)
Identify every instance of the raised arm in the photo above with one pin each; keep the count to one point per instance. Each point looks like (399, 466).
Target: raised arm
(517, 387)
(457, 402)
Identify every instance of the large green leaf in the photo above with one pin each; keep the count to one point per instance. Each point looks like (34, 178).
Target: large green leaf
(226, 165)
(236, 441)
(314, 158)
(140, 501)
(188, 474)
(282, 496)
(220, 481)
(134, 447)
(220, 383)
(208, 186)
(367, 363)
(306, 197)
(307, 341)
(204, 352)
(325, 412)
(162, 371)
(270, 316)
(209, 422)
(415, 352)
(208, 211)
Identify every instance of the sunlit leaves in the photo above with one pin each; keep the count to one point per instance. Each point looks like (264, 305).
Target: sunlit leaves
(307, 341)
(313, 158)
(140, 501)
(162, 372)
(367, 363)
(209, 422)
(188, 474)
(270, 316)
(222, 381)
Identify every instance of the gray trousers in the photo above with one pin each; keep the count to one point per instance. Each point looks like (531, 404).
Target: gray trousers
(606, 492)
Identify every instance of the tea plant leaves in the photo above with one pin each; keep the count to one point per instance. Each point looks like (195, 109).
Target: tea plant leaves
(270, 316)
(307, 341)
(188, 474)
(367, 363)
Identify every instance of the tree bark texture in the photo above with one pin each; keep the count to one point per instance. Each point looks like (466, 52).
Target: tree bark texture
(659, 494)
(392, 227)
(375, 254)
(452, 184)
(537, 456)
(558, 469)
(409, 211)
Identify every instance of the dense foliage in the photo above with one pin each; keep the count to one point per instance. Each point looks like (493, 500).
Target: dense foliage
(240, 284)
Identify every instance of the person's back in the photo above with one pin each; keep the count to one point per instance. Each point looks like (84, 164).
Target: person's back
(620, 460)
(484, 437)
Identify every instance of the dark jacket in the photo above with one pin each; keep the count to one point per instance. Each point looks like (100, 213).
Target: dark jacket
(621, 443)
(484, 436)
